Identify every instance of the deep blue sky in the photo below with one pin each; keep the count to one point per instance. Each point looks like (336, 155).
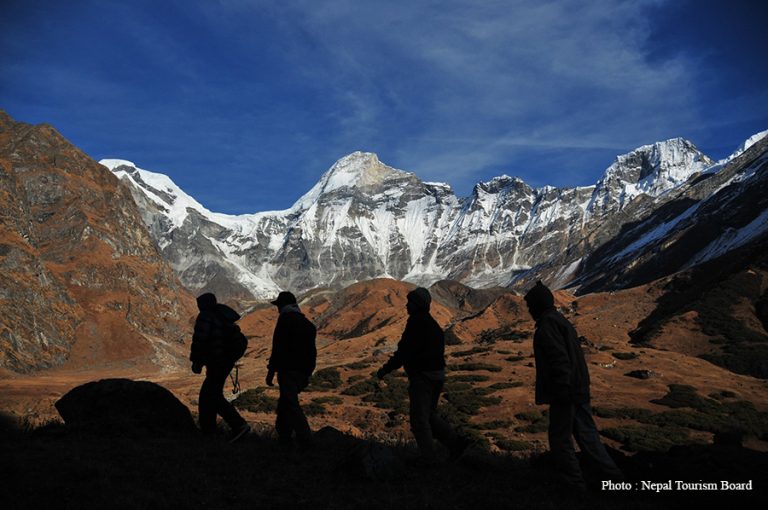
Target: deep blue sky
(245, 103)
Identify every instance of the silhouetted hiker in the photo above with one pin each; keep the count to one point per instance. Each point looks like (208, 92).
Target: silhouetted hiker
(214, 326)
(562, 381)
(293, 359)
(421, 351)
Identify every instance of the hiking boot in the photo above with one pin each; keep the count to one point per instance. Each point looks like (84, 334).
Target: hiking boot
(240, 432)
(458, 448)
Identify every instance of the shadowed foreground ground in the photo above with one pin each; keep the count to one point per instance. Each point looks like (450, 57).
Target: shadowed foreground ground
(52, 467)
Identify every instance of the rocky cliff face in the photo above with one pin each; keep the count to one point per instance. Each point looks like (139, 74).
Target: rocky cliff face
(364, 220)
(82, 280)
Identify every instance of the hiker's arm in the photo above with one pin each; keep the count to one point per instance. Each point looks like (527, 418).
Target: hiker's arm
(404, 350)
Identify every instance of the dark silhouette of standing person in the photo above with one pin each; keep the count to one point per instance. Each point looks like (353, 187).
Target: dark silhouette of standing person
(562, 381)
(293, 359)
(421, 351)
(213, 328)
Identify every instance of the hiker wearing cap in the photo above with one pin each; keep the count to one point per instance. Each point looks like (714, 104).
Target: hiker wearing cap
(421, 351)
(562, 381)
(293, 360)
(213, 328)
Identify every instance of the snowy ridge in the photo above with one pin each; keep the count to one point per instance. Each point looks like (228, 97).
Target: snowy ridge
(364, 219)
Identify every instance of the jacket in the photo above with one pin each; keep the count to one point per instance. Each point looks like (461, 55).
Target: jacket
(213, 328)
(421, 347)
(293, 343)
(561, 371)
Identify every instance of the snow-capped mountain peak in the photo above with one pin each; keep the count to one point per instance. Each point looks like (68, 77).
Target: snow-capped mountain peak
(650, 169)
(364, 219)
(359, 170)
(749, 142)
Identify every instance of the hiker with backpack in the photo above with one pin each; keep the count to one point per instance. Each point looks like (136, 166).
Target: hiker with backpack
(217, 343)
(293, 360)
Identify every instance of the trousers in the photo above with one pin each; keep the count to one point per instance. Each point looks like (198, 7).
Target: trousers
(212, 402)
(290, 417)
(426, 424)
(569, 420)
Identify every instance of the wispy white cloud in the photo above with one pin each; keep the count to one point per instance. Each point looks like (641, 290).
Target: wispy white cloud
(500, 76)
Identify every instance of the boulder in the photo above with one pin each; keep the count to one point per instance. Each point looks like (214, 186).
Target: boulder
(125, 407)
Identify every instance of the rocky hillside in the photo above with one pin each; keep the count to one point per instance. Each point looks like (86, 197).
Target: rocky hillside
(82, 281)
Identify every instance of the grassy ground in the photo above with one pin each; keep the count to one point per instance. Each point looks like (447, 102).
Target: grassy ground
(52, 467)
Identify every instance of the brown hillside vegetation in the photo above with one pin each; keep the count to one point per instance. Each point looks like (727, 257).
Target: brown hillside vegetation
(489, 393)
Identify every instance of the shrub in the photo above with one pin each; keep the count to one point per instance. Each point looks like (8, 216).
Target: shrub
(470, 367)
(697, 413)
(470, 378)
(624, 356)
(682, 395)
(493, 425)
(506, 333)
(473, 350)
(632, 413)
(691, 419)
(325, 379)
(460, 422)
(510, 445)
(639, 374)
(358, 365)
(537, 422)
(742, 359)
(393, 395)
(328, 400)
(313, 409)
(361, 388)
(467, 399)
(255, 401)
(637, 438)
(722, 395)
(505, 385)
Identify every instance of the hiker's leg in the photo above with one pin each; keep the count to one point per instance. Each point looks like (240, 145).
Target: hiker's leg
(566, 464)
(588, 439)
(207, 403)
(440, 429)
(283, 425)
(223, 407)
(420, 411)
(290, 417)
(300, 423)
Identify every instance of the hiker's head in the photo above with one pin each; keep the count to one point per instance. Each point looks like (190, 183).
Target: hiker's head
(539, 299)
(283, 299)
(206, 301)
(418, 301)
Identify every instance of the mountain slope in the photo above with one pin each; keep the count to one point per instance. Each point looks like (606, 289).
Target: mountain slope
(82, 281)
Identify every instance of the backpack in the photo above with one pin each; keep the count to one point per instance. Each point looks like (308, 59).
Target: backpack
(236, 344)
